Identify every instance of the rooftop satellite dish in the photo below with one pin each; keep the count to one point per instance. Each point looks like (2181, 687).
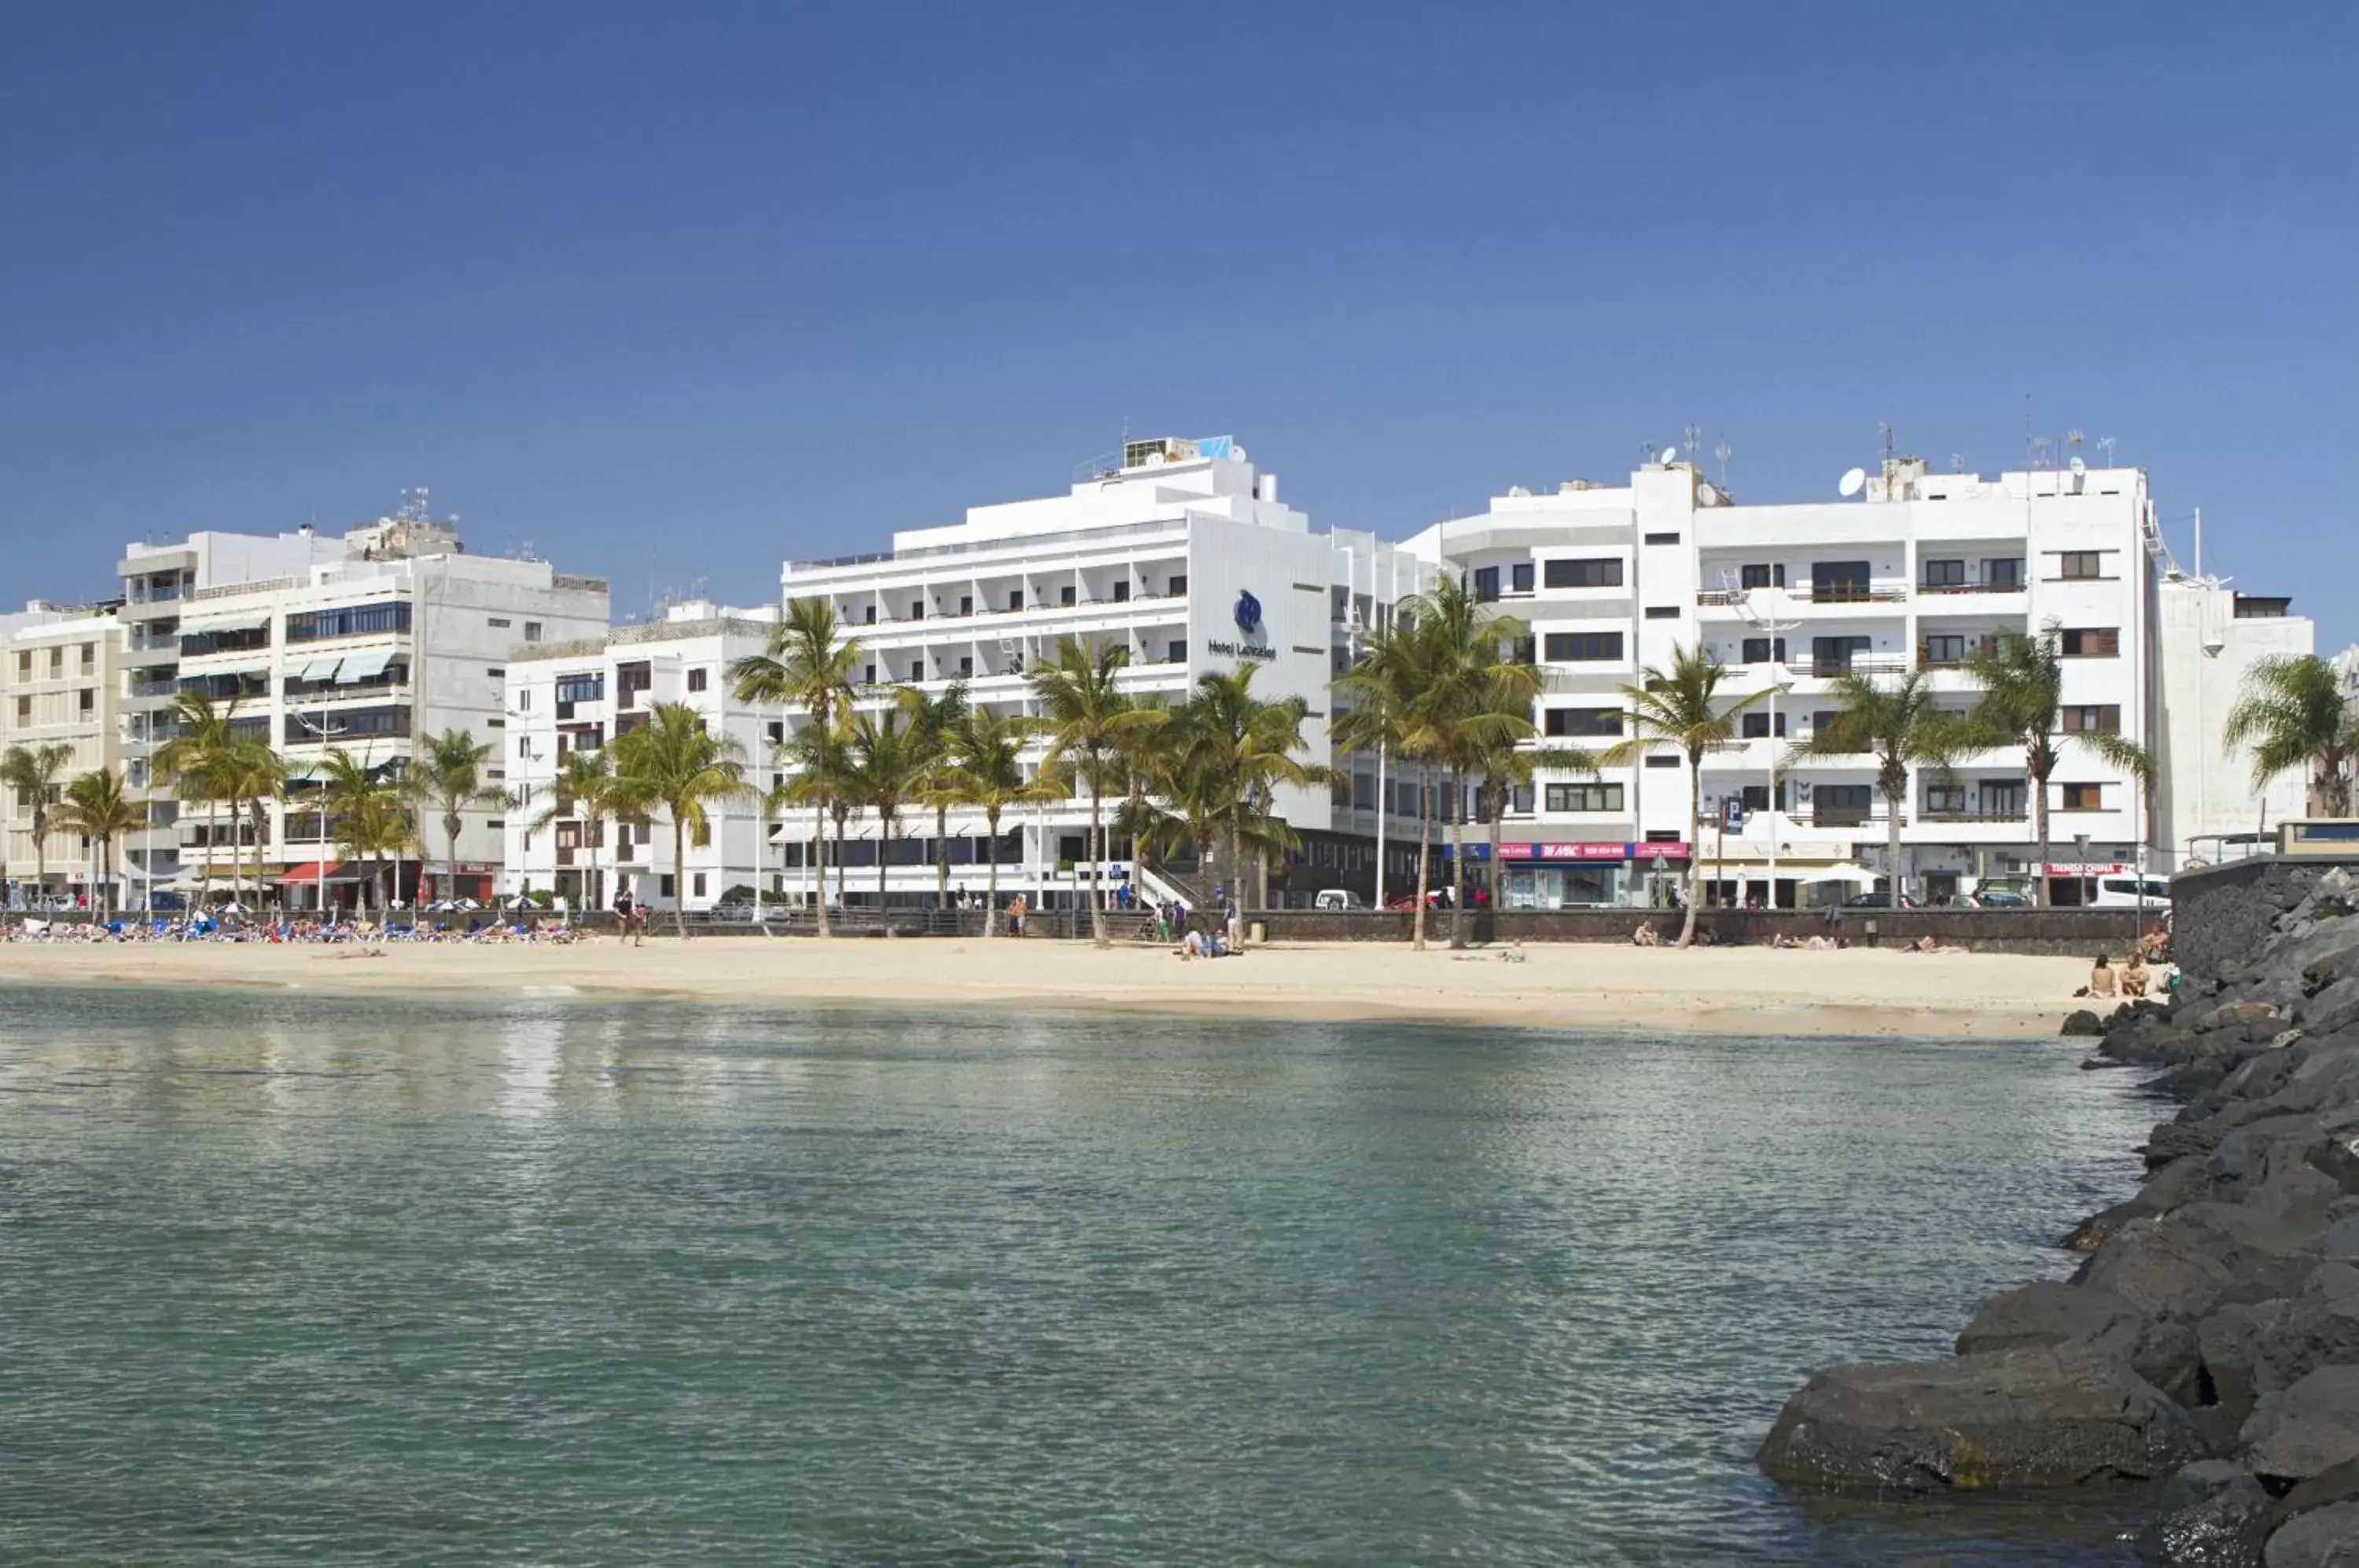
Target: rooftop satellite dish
(1238, 453)
(1670, 455)
(1707, 497)
(1851, 483)
(2080, 467)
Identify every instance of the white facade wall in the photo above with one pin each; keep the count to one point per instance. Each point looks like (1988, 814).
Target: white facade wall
(687, 657)
(1695, 570)
(2205, 649)
(60, 677)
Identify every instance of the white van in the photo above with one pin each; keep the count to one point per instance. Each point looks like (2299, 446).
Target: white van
(2122, 892)
(1338, 898)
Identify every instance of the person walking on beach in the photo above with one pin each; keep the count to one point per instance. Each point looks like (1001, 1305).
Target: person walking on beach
(1015, 909)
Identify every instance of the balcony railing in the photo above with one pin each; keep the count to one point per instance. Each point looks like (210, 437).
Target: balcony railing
(155, 687)
(2001, 814)
(1970, 587)
(1851, 817)
(1850, 594)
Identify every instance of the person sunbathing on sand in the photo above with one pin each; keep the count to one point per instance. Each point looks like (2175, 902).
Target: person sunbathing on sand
(2101, 978)
(1646, 935)
(2133, 975)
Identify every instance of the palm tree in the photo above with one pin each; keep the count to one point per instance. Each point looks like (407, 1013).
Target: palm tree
(1901, 726)
(1368, 715)
(674, 762)
(2295, 712)
(1401, 690)
(1088, 717)
(366, 814)
(583, 791)
(809, 664)
(192, 760)
(33, 772)
(2022, 703)
(989, 777)
(1482, 700)
(1679, 707)
(96, 808)
(1245, 747)
(448, 780)
(934, 722)
(886, 763)
(249, 773)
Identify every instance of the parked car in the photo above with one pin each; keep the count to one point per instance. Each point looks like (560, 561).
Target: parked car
(1435, 898)
(1338, 898)
(1999, 898)
(738, 911)
(1879, 900)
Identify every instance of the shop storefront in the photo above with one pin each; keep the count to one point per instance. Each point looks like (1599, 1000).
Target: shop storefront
(1567, 874)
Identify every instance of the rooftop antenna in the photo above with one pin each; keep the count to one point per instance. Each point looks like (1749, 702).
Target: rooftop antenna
(2105, 445)
(1723, 452)
(1957, 462)
(1884, 428)
(1694, 433)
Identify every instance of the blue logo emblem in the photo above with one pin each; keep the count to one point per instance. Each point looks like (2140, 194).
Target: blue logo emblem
(1248, 612)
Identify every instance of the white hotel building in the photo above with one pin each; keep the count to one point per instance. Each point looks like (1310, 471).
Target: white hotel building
(1914, 574)
(366, 643)
(1177, 550)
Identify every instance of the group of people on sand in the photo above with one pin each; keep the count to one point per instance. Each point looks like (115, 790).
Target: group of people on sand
(2131, 981)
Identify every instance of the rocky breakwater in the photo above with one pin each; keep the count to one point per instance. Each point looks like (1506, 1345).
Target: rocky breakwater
(2209, 1344)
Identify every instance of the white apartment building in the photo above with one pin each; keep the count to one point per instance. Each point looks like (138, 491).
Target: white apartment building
(365, 643)
(1179, 552)
(60, 670)
(2207, 637)
(581, 695)
(1914, 573)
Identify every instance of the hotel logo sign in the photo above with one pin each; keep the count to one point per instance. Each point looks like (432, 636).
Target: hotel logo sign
(1253, 643)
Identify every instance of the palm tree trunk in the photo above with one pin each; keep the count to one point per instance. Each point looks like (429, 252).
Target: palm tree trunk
(840, 868)
(1457, 810)
(991, 877)
(1892, 840)
(1236, 870)
(942, 857)
(1491, 867)
(679, 876)
(819, 824)
(2039, 830)
(1695, 851)
(1424, 859)
(1097, 850)
(884, 862)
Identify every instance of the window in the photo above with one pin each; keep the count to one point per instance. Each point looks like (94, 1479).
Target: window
(24, 710)
(25, 665)
(1581, 722)
(1945, 799)
(966, 603)
(1834, 655)
(1519, 577)
(1662, 612)
(1584, 796)
(2092, 718)
(582, 688)
(916, 609)
(2080, 563)
(2085, 798)
(1762, 576)
(1839, 581)
(1665, 759)
(967, 664)
(665, 882)
(88, 703)
(868, 675)
(353, 620)
(1840, 805)
(917, 670)
(1122, 590)
(1178, 583)
(1599, 572)
(1662, 539)
(2091, 642)
(496, 823)
(89, 658)
(702, 839)
(1943, 650)
(1945, 575)
(699, 881)
(496, 673)
(697, 678)
(496, 723)
(2005, 573)
(1755, 797)
(1486, 584)
(1015, 598)
(1176, 653)
(1065, 596)
(1578, 648)
(1756, 726)
(501, 623)
(1763, 650)
(57, 661)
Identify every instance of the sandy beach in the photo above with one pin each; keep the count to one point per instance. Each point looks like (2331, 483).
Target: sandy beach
(1718, 990)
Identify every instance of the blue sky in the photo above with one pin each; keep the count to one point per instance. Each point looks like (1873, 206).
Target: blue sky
(673, 291)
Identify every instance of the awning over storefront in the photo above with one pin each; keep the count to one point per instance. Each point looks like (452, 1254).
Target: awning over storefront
(315, 872)
(362, 666)
(319, 669)
(235, 624)
(1579, 849)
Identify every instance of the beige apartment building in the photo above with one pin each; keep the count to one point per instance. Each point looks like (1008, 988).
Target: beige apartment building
(61, 683)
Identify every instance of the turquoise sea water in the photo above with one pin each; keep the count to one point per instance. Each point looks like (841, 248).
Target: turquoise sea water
(551, 1281)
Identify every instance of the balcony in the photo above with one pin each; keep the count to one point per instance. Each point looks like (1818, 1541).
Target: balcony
(1849, 594)
(1999, 814)
(1934, 589)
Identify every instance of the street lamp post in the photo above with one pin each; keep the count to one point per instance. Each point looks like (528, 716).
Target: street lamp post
(319, 864)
